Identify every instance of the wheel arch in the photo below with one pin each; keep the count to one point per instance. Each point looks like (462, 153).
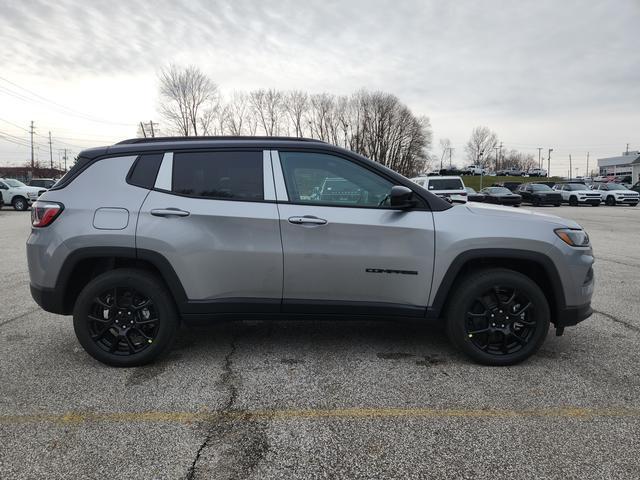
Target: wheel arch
(537, 266)
(86, 263)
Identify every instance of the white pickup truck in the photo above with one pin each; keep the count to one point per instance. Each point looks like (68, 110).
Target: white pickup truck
(18, 194)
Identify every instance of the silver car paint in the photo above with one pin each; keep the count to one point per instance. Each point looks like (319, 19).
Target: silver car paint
(235, 249)
(101, 185)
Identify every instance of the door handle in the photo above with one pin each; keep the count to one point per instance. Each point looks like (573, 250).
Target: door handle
(307, 219)
(169, 212)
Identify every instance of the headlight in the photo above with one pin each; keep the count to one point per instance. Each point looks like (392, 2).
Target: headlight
(575, 238)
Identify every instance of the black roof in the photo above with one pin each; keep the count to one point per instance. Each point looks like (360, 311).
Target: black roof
(216, 138)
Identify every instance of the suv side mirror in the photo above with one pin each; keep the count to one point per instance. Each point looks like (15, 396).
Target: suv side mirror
(400, 197)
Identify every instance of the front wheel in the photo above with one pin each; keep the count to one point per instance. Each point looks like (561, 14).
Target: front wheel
(498, 317)
(20, 204)
(573, 201)
(125, 318)
(611, 201)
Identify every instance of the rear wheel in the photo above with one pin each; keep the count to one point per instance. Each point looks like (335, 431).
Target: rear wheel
(20, 203)
(498, 317)
(125, 318)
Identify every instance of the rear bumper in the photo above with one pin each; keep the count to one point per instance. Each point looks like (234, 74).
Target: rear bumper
(49, 299)
(570, 316)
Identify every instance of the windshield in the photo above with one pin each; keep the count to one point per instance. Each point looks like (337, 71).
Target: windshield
(14, 183)
(576, 186)
(615, 186)
(540, 188)
(470, 190)
(499, 190)
(445, 184)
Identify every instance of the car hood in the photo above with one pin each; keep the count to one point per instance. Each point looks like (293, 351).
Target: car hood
(519, 214)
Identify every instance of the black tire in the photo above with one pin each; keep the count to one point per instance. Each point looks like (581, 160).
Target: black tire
(20, 204)
(611, 201)
(470, 294)
(143, 332)
(535, 202)
(573, 201)
(557, 204)
(633, 204)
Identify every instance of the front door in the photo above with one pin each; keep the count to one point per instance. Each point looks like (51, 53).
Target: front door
(343, 245)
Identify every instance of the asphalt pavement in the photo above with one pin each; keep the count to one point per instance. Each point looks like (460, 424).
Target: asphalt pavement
(326, 399)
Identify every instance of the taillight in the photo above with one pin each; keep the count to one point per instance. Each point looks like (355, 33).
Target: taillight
(44, 213)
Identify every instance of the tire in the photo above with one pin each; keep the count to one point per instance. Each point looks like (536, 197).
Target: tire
(470, 294)
(610, 201)
(557, 204)
(535, 202)
(573, 201)
(128, 336)
(20, 204)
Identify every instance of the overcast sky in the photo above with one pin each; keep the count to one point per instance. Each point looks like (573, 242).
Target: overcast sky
(544, 73)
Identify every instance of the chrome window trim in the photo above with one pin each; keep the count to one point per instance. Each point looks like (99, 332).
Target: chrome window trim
(268, 177)
(165, 173)
(278, 177)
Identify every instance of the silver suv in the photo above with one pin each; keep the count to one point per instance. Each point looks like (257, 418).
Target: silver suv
(148, 232)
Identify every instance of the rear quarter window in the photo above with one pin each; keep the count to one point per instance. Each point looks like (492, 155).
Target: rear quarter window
(145, 170)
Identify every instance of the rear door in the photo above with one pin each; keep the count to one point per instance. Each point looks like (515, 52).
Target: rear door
(345, 250)
(213, 216)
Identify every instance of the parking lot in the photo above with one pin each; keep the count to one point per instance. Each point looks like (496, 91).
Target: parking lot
(330, 399)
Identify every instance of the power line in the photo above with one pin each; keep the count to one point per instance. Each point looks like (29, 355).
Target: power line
(59, 106)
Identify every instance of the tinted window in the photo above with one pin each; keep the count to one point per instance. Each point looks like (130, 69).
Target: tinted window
(540, 188)
(445, 184)
(145, 170)
(576, 186)
(326, 179)
(224, 175)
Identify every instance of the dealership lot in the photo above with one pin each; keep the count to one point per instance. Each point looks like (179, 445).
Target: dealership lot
(339, 399)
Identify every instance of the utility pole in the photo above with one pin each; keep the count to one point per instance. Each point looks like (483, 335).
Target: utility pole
(153, 133)
(144, 133)
(549, 162)
(627, 152)
(65, 159)
(31, 132)
(50, 153)
(539, 158)
(569, 167)
(450, 152)
(500, 150)
(496, 149)
(588, 174)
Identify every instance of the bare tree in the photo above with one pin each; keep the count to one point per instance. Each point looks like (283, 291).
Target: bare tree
(446, 152)
(188, 99)
(238, 113)
(267, 105)
(480, 145)
(296, 104)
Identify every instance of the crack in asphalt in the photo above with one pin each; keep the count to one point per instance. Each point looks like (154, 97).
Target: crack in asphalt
(227, 379)
(18, 317)
(624, 323)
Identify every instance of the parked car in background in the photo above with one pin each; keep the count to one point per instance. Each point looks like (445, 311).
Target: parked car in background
(539, 194)
(42, 182)
(512, 186)
(501, 196)
(537, 172)
(474, 196)
(450, 187)
(616, 194)
(578, 194)
(636, 187)
(474, 170)
(17, 194)
(510, 172)
(143, 234)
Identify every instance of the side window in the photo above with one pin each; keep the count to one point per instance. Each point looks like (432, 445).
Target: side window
(145, 170)
(318, 178)
(233, 175)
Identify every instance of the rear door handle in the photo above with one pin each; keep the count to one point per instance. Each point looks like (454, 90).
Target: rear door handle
(307, 219)
(169, 212)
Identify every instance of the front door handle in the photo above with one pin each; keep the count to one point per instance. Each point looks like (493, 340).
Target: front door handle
(307, 219)
(169, 212)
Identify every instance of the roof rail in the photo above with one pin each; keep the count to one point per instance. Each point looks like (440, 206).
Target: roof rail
(200, 139)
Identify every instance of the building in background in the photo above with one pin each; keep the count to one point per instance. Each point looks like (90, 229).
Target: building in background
(626, 165)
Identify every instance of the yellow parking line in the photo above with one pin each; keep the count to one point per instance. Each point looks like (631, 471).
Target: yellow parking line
(354, 413)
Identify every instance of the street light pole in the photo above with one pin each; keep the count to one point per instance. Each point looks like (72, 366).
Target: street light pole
(549, 163)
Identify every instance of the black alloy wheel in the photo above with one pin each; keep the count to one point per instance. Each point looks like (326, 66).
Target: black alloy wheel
(497, 317)
(125, 318)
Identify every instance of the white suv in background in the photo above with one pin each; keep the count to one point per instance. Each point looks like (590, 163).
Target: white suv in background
(616, 194)
(578, 193)
(474, 170)
(18, 194)
(447, 187)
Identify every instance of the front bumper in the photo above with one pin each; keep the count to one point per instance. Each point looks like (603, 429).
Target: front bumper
(570, 316)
